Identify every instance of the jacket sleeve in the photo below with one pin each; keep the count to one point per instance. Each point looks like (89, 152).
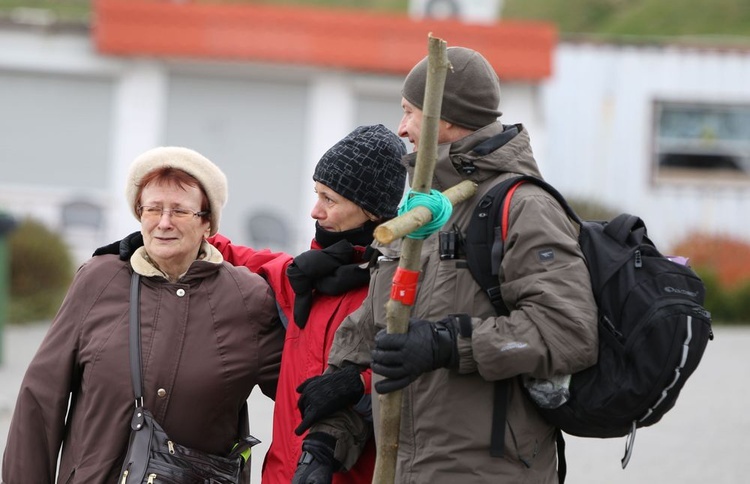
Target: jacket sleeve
(354, 338)
(37, 428)
(351, 345)
(552, 326)
(239, 255)
(274, 272)
(270, 343)
(351, 432)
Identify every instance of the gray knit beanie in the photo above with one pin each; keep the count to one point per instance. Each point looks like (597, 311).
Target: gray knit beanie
(472, 89)
(212, 179)
(365, 168)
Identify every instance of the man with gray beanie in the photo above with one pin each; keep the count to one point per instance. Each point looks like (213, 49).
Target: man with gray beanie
(461, 364)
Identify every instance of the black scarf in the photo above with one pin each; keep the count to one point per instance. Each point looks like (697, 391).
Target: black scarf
(334, 269)
(361, 236)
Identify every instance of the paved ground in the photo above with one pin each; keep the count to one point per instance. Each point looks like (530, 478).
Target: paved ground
(704, 439)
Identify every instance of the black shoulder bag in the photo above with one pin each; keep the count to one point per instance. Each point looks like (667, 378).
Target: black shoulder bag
(152, 456)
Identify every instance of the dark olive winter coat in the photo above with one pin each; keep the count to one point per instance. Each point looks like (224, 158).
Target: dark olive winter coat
(207, 340)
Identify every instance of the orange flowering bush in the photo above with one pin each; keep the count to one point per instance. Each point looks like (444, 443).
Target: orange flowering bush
(723, 262)
(728, 258)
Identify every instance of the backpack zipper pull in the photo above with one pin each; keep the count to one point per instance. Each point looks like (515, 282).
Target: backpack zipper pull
(638, 259)
(629, 446)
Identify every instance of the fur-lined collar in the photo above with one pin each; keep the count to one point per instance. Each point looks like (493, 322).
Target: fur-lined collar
(143, 265)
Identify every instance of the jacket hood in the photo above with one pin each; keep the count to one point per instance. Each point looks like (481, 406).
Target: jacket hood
(484, 154)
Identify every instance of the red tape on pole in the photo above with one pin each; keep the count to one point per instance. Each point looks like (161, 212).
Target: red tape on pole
(404, 288)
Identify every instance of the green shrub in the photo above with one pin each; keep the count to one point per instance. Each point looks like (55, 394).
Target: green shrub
(727, 306)
(41, 270)
(716, 296)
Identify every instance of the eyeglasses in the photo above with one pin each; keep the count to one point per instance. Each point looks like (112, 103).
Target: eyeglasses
(150, 212)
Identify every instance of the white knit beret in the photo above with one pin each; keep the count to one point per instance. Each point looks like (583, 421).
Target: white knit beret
(212, 179)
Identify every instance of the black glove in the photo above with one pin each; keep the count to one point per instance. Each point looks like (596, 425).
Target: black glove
(402, 358)
(344, 279)
(316, 465)
(325, 394)
(124, 248)
(308, 267)
(113, 248)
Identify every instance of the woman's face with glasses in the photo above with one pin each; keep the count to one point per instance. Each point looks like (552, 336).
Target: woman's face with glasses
(171, 224)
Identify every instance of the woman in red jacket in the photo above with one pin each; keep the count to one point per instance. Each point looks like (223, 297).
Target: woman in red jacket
(359, 183)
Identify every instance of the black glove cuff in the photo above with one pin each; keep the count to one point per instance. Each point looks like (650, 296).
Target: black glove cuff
(321, 437)
(463, 323)
(321, 447)
(447, 352)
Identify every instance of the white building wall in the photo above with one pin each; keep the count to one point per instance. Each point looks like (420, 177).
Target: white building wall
(137, 125)
(599, 114)
(591, 127)
(56, 103)
(265, 125)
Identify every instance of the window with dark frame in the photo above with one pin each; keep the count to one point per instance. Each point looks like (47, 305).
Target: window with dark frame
(705, 141)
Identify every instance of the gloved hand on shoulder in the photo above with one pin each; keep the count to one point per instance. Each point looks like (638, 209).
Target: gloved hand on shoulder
(402, 358)
(124, 248)
(322, 395)
(316, 465)
(309, 266)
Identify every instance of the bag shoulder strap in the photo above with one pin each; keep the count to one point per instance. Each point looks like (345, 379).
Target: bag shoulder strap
(243, 429)
(499, 406)
(541, 184)
(135, 338)
(485, 239)
(488, 229)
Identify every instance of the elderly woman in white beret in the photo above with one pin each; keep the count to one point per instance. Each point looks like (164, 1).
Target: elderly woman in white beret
(209, 334)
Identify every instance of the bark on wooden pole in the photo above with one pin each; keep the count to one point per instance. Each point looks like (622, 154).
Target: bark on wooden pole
(398, 311)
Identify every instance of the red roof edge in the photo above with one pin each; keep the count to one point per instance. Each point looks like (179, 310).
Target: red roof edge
(347, 39)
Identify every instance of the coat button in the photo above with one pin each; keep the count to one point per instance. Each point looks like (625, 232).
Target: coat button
(161, 392)
(180, 292)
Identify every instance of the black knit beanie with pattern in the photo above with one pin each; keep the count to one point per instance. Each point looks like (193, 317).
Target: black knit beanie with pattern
(365, 168)
(471, 94)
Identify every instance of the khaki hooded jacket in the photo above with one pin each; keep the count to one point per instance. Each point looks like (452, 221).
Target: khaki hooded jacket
(551, 330)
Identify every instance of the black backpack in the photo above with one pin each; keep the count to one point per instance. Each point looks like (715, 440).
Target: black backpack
(653, 328)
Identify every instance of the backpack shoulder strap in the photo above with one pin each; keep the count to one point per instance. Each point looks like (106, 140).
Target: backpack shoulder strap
(505, 212)
(552, 191)
(484, 247)
(483, 243)
(488, 229)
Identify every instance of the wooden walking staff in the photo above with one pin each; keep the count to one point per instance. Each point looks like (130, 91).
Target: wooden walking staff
(403, 291)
